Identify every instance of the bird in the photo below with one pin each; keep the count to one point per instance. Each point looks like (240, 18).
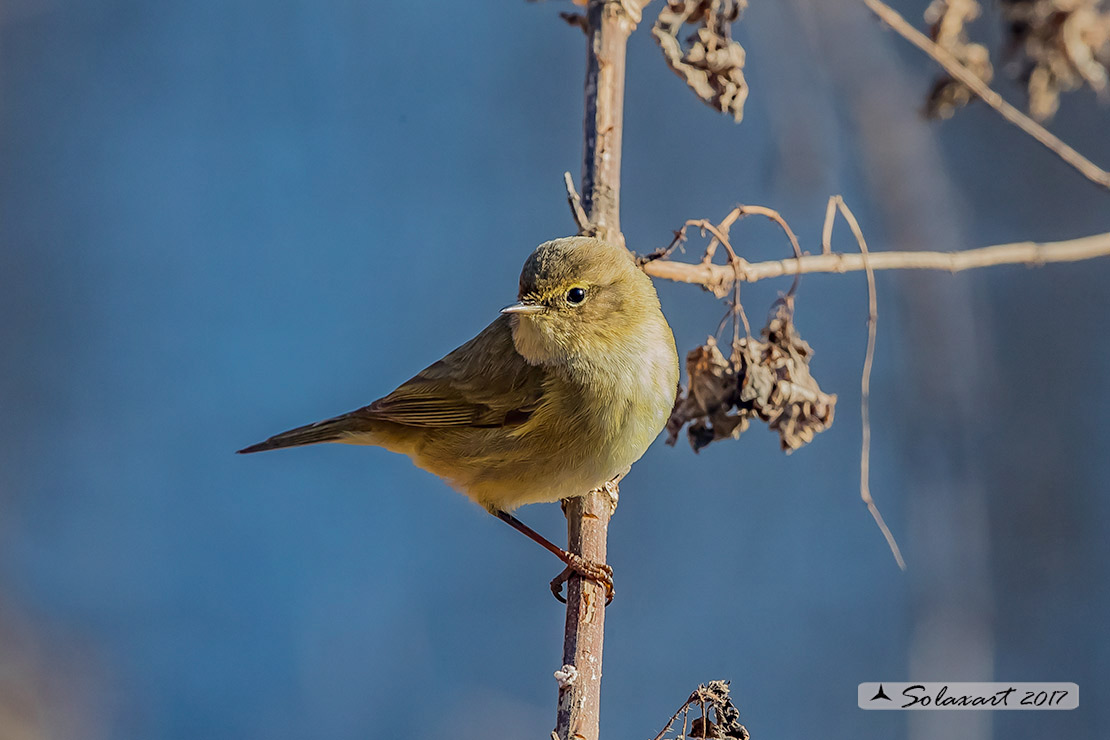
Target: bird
(558, 396)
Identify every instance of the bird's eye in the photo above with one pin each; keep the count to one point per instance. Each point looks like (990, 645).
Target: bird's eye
(576, 295)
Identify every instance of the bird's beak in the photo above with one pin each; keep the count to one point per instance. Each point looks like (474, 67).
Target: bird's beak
(524, 308)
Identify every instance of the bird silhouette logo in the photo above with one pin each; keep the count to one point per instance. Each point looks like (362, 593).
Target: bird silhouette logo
(881, 694)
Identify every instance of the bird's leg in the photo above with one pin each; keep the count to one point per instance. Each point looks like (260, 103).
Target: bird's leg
(579, 566)
(576, 564)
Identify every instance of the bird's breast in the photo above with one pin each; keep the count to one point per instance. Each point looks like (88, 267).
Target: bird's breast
(622, 402)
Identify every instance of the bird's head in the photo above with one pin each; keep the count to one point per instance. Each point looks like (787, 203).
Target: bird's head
(580, 299)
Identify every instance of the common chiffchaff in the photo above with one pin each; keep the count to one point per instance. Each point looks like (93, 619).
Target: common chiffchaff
(560, 394)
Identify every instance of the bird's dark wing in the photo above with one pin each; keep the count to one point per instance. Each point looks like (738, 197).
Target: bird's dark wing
(484, 383)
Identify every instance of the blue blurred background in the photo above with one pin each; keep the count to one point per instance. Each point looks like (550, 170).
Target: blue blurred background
(222, 219)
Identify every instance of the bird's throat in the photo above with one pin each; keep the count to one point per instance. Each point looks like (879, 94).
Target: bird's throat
(534, 343)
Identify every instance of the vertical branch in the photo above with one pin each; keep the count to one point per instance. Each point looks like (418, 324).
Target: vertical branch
(580, 699)
(608, 27)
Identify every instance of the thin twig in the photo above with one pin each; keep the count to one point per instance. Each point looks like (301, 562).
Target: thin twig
(581, 220)
(723, 227)
(720, 236)
(739, 308)
(778, 219)
(826, 232)
(865, 379)
(952, 65)
(1018, 253)
(671, 721)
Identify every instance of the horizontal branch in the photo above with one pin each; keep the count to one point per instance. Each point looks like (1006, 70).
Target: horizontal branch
(1020, 253)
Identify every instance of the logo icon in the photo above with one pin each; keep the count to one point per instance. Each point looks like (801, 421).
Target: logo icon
(881, 694)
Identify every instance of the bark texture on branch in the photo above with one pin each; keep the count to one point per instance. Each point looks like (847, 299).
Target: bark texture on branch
(608, 28)
(580, 698)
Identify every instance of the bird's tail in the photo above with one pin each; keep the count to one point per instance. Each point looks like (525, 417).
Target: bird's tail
(329, 430)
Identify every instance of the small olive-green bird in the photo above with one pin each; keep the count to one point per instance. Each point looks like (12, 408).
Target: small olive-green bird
(559, 395)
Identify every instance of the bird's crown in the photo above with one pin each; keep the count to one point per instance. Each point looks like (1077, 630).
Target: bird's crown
(558, 268)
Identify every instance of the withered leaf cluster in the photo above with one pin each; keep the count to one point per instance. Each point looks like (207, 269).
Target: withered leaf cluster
(766, 379)
(725, 722)
(1055, 46)
(1060, 46)
(948, 21)
(711, 63)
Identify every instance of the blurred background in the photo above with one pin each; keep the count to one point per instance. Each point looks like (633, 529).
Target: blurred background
(222, 219)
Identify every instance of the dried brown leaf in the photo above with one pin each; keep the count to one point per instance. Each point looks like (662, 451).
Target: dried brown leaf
(1054, 46)
(1058, 46)
(711, 63)
(766, 379)
(948, 21)
(713, 699)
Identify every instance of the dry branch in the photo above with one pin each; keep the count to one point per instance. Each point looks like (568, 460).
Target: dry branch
(581, 220)
(724, 724)
(608, 24)
(953, 66)
(837, 202)
(723, 395)
(713, 276)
